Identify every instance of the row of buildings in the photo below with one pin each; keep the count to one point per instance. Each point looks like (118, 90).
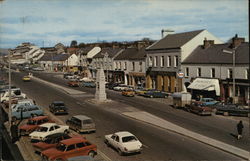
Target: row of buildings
(196, 60)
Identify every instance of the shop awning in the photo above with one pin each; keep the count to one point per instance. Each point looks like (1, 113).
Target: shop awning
(206, 85)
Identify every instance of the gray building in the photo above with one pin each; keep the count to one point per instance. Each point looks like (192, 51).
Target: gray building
(208, 61)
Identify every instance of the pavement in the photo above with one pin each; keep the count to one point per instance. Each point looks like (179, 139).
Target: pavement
(146, 117)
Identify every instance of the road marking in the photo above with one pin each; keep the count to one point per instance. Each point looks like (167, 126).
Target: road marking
(145, 146)
(104, 156)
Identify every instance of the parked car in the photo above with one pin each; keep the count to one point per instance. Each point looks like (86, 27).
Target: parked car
(65, 75)
(47, 129)
(199, 108)
(58, 107)
(89, 84)
(155, 94)
(129, 93)
(15, 92)
(81, 123)
(73, 83)
(112, 85)
(70, 148)
(51, 141)
(231, 110)
(33, 124)
(37, 69)
(208, 101)
(141, 92)
(124, 142)
(26, 111)
(26, 79)
(26, 102)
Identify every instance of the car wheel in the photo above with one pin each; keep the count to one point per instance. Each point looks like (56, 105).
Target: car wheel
(151, 96)
(92, 154)
(120, 152)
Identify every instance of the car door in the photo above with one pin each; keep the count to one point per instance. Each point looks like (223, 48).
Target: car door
(71, 151)
(57, 129)
(81, 148)
(51, 130)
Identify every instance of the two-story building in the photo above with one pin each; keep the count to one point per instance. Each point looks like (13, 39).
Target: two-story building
(164, 58)
(210, 62)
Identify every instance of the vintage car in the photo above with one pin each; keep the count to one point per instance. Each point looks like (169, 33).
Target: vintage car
(58, 107)
(81, 123)
(73, 83)
(231, 110)
(26, 78)
(124, 142)
(26, 111)
(47, 129)
(129, 93)
(89, 84)
(199, 108)
(155, 94)
(208, 101)
(33, 124)
(50, 141)
(121, 87)
(70, 148)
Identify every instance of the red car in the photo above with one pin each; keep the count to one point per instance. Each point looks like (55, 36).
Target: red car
(33, 124)
(70, 148)
(199, 108)
(73, 83)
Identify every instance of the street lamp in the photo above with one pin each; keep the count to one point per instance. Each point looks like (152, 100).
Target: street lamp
(9, 114)
(232, 52)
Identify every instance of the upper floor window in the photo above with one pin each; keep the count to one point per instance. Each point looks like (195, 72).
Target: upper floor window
(169, 61)
(229, 73)
(186, 72)
(140, 66)
(125, 65)
(213, 73)
(155, 61)
(162, 61)
(133, 66)
(176, 61)
(150, 62)
(120, 65)
(199, 72)
(247, 74)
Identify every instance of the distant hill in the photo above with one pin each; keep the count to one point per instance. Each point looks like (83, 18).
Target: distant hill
(3, 51)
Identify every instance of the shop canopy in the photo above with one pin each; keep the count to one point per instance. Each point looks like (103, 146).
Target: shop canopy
(206, 85)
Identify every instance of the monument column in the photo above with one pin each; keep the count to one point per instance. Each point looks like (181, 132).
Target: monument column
(100, 94)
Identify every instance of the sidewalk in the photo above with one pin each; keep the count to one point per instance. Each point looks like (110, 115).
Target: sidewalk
(131, 112)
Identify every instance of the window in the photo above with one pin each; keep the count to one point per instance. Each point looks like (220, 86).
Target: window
(57, 127)
(125, 65)
(117, 139)
(150, 62)
(71, 147)
(51, 129)
(140, 66)
(199, 72)
(120, 65)
(169, 61)
(247, 73)
(213, 72)
(186, 72)
(162, 61)
(229, 73)
(176, 61)
(80, 145)
(133, 66)
(155, 61)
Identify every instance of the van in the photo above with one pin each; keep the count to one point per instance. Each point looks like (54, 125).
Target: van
(81, 123)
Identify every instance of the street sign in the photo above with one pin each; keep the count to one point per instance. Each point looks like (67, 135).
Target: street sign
(180, 74)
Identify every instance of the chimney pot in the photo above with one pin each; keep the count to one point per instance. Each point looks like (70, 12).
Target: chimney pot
(207, 43)
(236, 41)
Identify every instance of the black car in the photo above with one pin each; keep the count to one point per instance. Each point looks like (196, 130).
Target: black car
(231, 110)
(58, 107)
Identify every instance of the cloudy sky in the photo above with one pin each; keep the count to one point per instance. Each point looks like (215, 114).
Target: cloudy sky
(47, 22)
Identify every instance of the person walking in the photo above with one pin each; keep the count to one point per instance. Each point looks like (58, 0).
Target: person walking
(240, 129)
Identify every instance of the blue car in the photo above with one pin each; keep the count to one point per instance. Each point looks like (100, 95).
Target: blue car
(89, 84)
(27, 111)
(208, 101)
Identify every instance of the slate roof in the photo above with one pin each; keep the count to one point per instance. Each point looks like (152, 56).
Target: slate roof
(132, 54)
(84, 51)
(111, 52)
(58, 57)
(215, 55)
(173, 41)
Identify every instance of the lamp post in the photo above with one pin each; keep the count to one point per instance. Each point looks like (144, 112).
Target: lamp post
(9, 114)
(106, 61)
(233, 53)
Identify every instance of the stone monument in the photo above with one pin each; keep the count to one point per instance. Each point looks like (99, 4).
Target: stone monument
(100, 94)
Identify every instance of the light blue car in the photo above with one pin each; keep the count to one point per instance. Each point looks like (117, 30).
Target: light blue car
(208, 101)
(27, 111)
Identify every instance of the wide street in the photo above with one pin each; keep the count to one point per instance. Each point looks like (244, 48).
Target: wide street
(159, 144)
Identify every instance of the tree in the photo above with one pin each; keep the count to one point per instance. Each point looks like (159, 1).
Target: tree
(73, 43)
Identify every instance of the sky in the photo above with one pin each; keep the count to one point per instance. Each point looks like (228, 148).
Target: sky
(48, 22)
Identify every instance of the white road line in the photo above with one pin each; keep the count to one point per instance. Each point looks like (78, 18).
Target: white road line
(104, 156)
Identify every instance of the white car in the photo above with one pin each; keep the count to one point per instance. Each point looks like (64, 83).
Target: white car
(124, 142)
(14, 93)
(47, 129)
(122, 87)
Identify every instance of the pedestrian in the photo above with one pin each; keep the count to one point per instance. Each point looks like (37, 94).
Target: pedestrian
(14, 132)
(240, 129)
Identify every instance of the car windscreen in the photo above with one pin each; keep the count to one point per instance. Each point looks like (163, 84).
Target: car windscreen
(31, 122)
(42, 129)
(61, 147)
(129, 139)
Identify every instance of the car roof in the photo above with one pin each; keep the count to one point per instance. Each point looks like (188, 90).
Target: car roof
(48, 124)
(73, 140)
(38, 118)
(124, 133)
(82, 117)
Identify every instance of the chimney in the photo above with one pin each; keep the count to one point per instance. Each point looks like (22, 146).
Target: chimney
(236, 41)
(207, 43)
(141, 44)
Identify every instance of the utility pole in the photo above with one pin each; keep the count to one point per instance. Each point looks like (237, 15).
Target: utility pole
(10, 109)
